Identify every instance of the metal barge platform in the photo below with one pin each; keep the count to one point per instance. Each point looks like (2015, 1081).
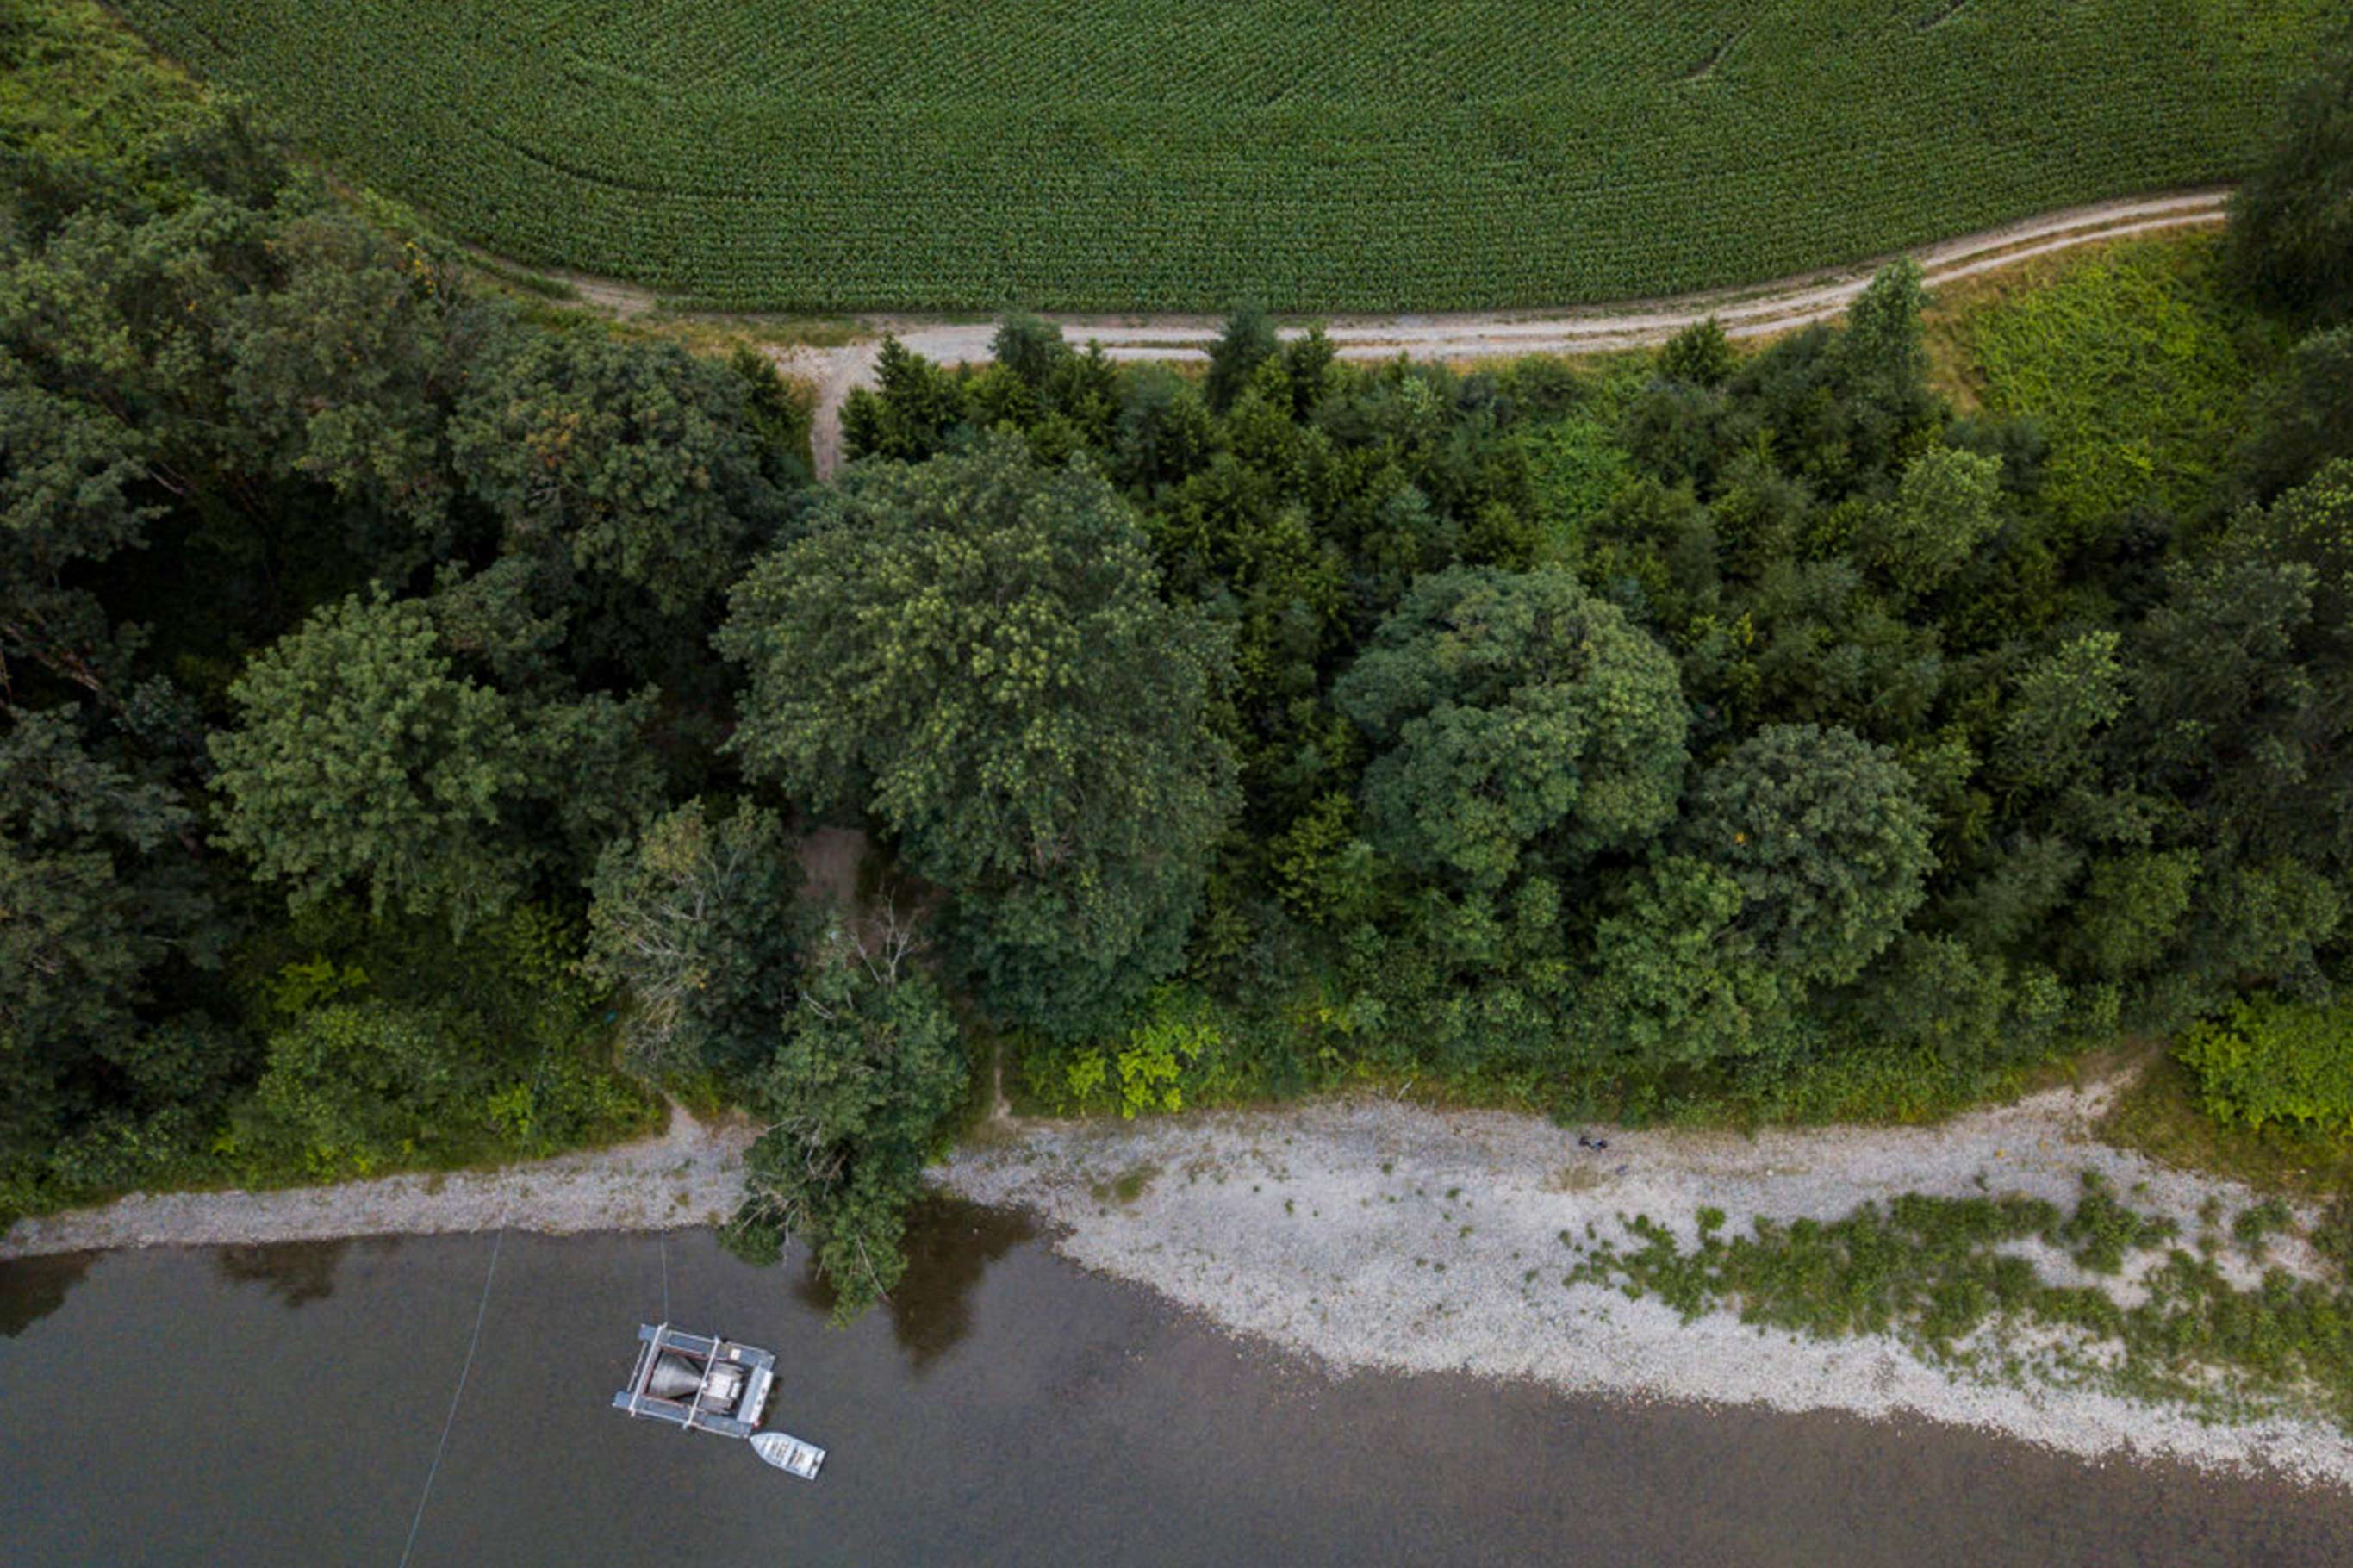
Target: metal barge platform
(699, 1382)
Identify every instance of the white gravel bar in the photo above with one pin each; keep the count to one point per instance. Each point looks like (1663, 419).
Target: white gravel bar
(1371, 1234)
(1324, 1229)
(689, 1174)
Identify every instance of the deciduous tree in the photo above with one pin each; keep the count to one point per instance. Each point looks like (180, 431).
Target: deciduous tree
(635, 462)
(1509, 713)
(361, 756)
(693, 916)
(1821, 831)
(867, 1065)
(975, 654)
(2291, 235)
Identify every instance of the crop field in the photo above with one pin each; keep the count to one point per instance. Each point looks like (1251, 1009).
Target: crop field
(1310, 154)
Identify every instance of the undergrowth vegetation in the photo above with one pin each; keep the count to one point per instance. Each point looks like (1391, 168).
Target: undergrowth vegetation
(2161, 1113)
(2134, 369)
(1956, 1280)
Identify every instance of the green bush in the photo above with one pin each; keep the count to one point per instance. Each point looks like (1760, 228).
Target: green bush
(393, 1043)
(2274, 1060)
(117, 1152)
(1578, 461)
(1176, 1043)
(1937, 1273)
(2130, 367)
(2333, 1238)
(351, 1086)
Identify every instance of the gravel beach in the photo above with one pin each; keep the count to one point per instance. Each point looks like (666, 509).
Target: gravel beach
(691, 1174)
(1371, 1234)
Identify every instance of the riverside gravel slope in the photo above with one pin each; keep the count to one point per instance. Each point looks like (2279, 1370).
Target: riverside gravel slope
(689, 1174)
(1371, 1233)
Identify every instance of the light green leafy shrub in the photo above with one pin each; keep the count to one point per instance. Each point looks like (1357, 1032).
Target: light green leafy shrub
(2269, 1060)
(2130, 367)
(1083, 1074)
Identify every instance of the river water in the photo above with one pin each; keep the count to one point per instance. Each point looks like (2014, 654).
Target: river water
(284, 1404)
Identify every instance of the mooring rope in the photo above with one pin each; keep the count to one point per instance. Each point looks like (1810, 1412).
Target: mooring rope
(473, 1343)
(482, 1311)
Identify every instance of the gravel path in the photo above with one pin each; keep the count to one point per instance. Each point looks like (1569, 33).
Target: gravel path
(1753, 311)
(1375, 1234)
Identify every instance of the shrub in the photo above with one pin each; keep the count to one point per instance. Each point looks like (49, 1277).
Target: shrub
(352, 1086)
(2333, 1238)
(2274, 1060)
(2129, 365)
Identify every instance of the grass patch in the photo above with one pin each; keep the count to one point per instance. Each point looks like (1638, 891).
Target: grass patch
(718, 334)
(1127, 1186)
(537, 285)
(2135, 363)
(689, 320)
(78, 86)
(1945, 1276)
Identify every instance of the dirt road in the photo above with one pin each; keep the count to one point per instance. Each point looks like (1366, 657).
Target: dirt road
(1753, 311)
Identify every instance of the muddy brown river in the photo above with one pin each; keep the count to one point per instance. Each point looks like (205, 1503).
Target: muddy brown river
(285, 1405)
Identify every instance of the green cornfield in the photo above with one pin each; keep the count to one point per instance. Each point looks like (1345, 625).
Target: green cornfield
(1187, 154)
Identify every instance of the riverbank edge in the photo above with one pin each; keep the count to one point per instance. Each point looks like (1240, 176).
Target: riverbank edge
(689, 1174)
(1374, 1234)
(1366, 1233)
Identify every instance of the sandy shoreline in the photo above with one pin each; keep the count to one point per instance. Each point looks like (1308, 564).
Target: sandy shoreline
(1367, 1234)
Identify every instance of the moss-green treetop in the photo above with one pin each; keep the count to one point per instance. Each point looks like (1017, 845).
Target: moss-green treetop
(1511, 707)
(1822, 832)
(974, 653)
(360, 754)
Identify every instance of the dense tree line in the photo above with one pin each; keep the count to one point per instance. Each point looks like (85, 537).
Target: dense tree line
(406, 698)
(351, 618)
(1822, 752)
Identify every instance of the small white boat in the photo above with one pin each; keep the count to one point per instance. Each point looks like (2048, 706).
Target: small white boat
(789, 1452)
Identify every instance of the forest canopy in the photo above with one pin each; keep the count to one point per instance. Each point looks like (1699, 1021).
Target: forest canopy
(424, 713)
